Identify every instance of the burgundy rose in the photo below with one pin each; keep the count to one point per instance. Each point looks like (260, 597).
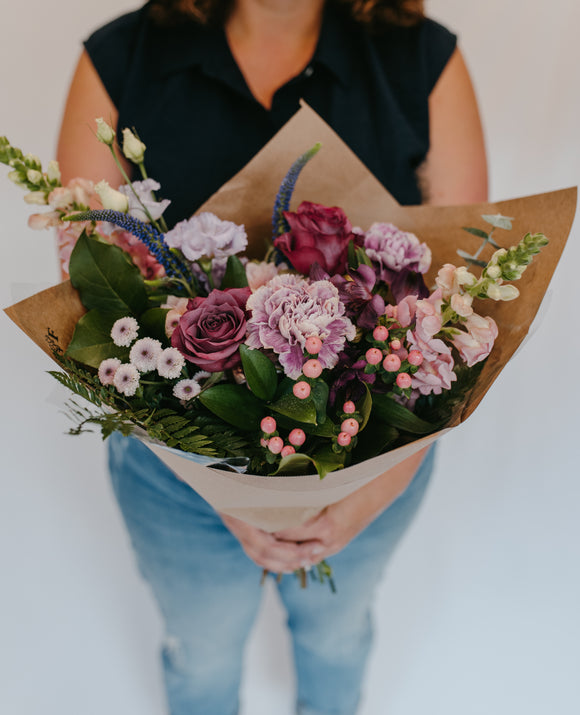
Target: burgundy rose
(318, 234)
(211, 330)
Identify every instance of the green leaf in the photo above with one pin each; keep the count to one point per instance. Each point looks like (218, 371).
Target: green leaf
(260, 373)
(91, 341)
(319, 396)
(362, 257)
(498, 221)
(235, 275)
(295, 464)
(375, 440)
(152, 324)
(106, 279)
(299, 410)
(394, 414)
(328, 461)
(476, 232)
(364, 407)
(234, 404)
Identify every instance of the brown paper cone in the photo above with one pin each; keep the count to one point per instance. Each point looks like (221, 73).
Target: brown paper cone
(337, 177)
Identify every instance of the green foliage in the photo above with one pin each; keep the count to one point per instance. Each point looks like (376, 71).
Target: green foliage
(298, 410)
(260, 373)
(234, 404)
(235, 275)
(106, 279)
(392, 413)
(152, 324)
(91, 341)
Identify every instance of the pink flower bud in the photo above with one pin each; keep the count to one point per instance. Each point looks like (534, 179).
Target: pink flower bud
(415, 357)
(392, 363)
(313, 344)
(349, 407)
(275, 445)
(268, 425)
(287, 450)
(404, 380)
(263, 442)
(301, 390)
(380, 333)
(312, 368)
(395, 344)
(297, 437)
(350, 426)
(343, 439)
(373, 356)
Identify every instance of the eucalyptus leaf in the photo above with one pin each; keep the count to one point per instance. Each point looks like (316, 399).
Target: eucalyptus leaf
(91, 342)
(299, 410)
(476, 232)
(234, 404)
(106, 279)
(392, 413)
(260, 373)
(498, 221)
(235, 275)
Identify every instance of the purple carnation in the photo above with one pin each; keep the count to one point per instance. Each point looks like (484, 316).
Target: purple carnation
(396, 250)
(288, 310)
(207, 236)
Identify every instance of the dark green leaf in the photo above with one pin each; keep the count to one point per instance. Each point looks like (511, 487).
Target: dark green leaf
(295, 464)
(91, 341)
(106, 279)
(319, 396)
(362, 257)
(234, 404)
(260, 373)
(375, 440)
(299, 410)
(364, 407)
(235, 275)
(328, 461)
(152, 324)
(394, 414)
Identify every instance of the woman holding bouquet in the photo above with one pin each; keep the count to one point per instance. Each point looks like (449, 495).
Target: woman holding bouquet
(206, 83)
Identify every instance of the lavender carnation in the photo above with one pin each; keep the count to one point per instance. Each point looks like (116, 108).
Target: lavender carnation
(207, 236)
(396, 250)
(288, 310)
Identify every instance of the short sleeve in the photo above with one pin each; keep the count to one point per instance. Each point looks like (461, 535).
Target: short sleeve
(111, 48)
(437, 45)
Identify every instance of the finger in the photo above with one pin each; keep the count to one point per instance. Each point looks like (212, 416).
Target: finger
(280, 557)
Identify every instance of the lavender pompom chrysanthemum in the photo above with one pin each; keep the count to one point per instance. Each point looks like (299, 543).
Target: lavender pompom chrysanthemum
(186, 390)
(170, 363)
(288, 310)
(124, 331)
(107, 370)
(144, 354)
(126, 379)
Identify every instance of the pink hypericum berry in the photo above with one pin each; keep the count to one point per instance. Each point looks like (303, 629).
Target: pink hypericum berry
(404, 380)
(373, 356)
(275, 445)
(312, 368)
(313, 344)
(349, 407)
(297, 437)
(415, 357)
(350, 426)
(287, 450)
(380, 333)
(301, 390)
(344, 439)
(395, 344)
(263, 442)
(268, 425)
(392, 363)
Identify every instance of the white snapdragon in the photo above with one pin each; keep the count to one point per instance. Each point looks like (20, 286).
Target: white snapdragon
(503, 292)
(133, 148)
(105, 133)
(34, 176)
(53, 172)
(37, 198)
(111, 199)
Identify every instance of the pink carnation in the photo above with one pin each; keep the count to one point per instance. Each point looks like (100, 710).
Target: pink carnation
(288, 310)
(396, 250)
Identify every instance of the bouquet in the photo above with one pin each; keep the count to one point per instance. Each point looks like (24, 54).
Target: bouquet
(328, 353)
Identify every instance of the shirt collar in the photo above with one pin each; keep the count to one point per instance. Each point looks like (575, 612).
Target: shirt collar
(191, 45)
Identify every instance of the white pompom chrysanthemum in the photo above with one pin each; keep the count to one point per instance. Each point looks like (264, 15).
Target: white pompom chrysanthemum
(186, 390)
(124, 331)
(126, 379)
(144, 354)
(170, 363)
(107, 370)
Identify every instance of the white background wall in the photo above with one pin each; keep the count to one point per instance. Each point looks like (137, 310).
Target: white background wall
(479, 612)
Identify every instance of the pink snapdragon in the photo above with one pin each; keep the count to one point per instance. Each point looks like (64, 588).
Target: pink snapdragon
(475, 344)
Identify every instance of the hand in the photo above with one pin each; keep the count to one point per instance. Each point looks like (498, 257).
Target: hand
(268, 552)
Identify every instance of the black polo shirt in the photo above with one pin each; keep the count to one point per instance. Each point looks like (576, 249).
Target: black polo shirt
(183, 92)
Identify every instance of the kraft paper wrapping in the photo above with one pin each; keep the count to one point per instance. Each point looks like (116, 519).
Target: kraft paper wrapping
(336, 177)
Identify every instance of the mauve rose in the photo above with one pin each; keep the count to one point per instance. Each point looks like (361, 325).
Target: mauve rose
(212, 329)
(318, 234)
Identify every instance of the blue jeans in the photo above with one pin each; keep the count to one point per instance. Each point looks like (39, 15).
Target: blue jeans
(209, 591)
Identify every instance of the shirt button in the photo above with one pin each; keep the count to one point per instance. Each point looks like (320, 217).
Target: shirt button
(309, 71)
